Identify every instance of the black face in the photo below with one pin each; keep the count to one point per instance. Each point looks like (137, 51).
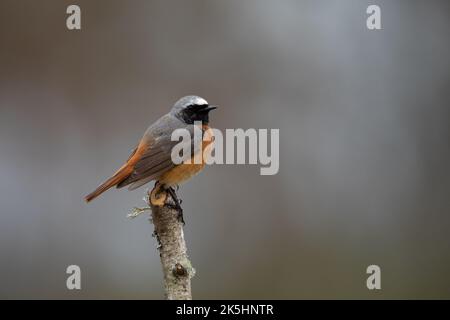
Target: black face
(197, 112)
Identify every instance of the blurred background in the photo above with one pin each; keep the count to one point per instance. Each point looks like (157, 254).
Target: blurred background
(364, 146)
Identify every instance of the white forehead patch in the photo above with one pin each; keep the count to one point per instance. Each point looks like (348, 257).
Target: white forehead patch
(199, 101)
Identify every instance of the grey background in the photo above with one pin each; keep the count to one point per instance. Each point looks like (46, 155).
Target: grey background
(364, 146)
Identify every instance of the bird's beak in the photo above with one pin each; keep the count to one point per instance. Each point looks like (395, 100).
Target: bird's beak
(209, 108)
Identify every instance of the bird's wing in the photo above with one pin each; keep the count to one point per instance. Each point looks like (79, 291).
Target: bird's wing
(156, 158)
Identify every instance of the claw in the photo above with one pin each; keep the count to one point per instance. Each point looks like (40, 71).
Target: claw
(177, 205)
(181, 217)
(171, 191)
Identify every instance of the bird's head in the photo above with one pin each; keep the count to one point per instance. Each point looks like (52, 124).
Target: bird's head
(192, 108)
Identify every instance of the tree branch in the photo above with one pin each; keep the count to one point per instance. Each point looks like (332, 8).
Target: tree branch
(177, 268)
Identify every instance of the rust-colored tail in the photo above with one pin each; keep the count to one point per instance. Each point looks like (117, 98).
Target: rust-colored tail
(121, 174)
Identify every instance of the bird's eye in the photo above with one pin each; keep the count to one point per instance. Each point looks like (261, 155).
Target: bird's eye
(197, 106)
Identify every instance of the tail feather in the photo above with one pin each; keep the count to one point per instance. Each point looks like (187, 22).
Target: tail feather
(120, 175)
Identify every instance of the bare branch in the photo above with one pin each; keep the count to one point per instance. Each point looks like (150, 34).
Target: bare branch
(177, 268)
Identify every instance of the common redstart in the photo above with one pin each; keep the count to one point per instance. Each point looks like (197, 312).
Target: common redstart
(151, 159)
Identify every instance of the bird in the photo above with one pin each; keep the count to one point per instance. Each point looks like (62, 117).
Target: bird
(151, 159)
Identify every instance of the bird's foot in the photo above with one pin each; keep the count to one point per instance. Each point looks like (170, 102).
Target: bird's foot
(175, 198)
(181, 217)
(177, 205)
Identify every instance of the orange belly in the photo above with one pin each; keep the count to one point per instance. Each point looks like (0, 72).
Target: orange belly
(180, 174)
(186, 171)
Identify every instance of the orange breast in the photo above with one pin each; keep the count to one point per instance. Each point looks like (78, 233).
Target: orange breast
(185, 171)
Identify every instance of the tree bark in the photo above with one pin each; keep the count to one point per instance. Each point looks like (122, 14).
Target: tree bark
(177, 268)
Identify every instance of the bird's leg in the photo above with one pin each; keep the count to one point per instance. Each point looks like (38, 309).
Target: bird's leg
(171, 191)
(177, 206)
